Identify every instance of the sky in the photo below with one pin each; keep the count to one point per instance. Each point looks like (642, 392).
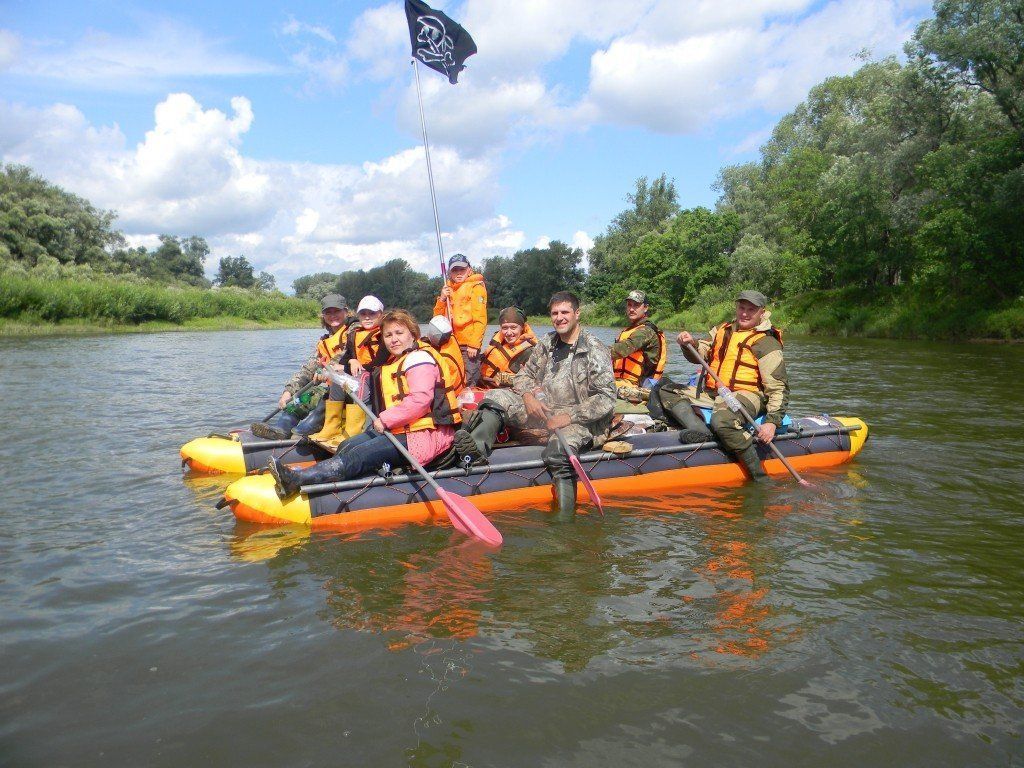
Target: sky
(288, 132)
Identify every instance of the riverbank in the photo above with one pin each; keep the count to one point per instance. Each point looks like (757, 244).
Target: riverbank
(35, 306)
(886, 314)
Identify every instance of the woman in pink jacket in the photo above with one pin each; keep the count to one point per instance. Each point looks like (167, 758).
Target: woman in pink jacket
(411, 403)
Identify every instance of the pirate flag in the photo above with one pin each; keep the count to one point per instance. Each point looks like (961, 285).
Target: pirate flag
(437, 41)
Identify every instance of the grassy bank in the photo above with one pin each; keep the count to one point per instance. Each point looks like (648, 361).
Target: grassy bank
(31, 305)
(893, 314)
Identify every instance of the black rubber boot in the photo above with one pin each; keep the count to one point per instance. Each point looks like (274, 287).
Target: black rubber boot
(694, 429)
(478, 441)
(565, 498)
(288, 480)
(267, 432)
(748, 458)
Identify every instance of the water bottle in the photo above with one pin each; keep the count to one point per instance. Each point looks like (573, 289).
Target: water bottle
(343, 380)
(730, 399)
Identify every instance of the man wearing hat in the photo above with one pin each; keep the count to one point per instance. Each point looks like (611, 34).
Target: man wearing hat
(746, 354)
(640, 351)
(306, 418)
(463, 300)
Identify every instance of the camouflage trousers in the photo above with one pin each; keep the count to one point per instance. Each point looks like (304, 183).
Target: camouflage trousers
(578, 437)
(730, 428)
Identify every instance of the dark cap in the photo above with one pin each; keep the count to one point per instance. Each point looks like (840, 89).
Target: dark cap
(756, 298)
(512, 315)
(333, 301)
(638, 296)
(458, 260)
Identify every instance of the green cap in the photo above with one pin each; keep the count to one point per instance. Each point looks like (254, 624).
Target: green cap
(756, 298)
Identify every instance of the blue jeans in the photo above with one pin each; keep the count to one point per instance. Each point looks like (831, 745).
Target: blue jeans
(367, 452)
(288, 422)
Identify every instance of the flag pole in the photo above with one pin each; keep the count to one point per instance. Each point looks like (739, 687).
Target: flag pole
(430, 179)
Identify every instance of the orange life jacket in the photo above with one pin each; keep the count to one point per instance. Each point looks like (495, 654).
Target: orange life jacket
(364, 344)
(732, 358)
(503, 357)
(331, 345)
(468, 310)
(453, 369)
(637, 367)
(393, 387)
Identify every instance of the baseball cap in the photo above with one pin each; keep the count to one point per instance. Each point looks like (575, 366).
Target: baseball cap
(333, 301)
(756, 298)
(638, 296)
(371, 303)
(438, 326)
(458, 260)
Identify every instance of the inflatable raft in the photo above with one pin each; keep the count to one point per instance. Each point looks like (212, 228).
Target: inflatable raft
(516, 478)
(241, 452)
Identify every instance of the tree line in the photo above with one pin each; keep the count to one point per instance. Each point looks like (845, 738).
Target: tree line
(45, 229)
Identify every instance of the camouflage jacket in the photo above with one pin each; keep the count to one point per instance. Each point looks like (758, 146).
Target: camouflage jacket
(588, 394)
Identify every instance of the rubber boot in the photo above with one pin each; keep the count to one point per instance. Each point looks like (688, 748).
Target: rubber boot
(478, 442)
(565, 498)
(287, 481)
(748, 458)
(694, 429)
(333, 412)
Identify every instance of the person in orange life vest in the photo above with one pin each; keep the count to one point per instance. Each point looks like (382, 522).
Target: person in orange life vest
(466, 294)
(439, 336)
(639, 353)
(363, 353)
(333, 317)
(746, 354)
(411, 403)
(509, 349)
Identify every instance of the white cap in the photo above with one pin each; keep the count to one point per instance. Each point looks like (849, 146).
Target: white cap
(371, 303)
(439, 324)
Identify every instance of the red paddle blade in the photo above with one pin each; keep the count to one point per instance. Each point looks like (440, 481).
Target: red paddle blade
(591, 490)
(467, 518)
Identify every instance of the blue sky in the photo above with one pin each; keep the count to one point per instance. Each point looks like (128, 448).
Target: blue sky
(288, 132)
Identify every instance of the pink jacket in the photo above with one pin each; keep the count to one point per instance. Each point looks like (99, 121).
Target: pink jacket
(422, 375)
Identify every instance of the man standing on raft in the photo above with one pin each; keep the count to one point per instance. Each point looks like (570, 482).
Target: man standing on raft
(746, 355)
(566, 385)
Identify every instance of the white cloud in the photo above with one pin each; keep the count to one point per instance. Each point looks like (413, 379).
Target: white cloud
(9, 48)
(163, 52)
(692, 64)
(294, 27)
(189, 175)
(583, 241)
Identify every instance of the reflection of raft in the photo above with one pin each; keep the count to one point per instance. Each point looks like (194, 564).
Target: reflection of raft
(242, 452)
(516, 478)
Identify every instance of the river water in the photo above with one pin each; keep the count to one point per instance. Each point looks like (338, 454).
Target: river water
(875, 619)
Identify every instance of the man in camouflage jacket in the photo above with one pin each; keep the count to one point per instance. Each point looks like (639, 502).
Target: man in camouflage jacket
(566, 385)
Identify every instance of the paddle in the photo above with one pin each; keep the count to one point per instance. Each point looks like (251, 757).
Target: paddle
(574, 460)
(464, 515)
(736, 406)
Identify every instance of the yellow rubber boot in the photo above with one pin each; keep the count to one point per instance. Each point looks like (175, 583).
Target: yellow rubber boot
(333, 424)
(355, 421)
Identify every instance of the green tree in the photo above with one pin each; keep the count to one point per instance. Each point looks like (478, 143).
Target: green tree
(235, 271)
(316, 286)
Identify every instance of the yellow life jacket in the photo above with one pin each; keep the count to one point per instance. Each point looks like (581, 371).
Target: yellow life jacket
(453, 369)
(393, 387)
(732, 358)
(637, 367)
(503, 357)
(364, 344)
(331, 345)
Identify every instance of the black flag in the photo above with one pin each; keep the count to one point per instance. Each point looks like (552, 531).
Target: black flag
(437, 41)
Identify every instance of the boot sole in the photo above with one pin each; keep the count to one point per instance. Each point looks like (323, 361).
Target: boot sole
(466, 446)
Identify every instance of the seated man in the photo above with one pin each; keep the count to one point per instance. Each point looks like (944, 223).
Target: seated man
(566, 385)
(746, 355)
(640, 353)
